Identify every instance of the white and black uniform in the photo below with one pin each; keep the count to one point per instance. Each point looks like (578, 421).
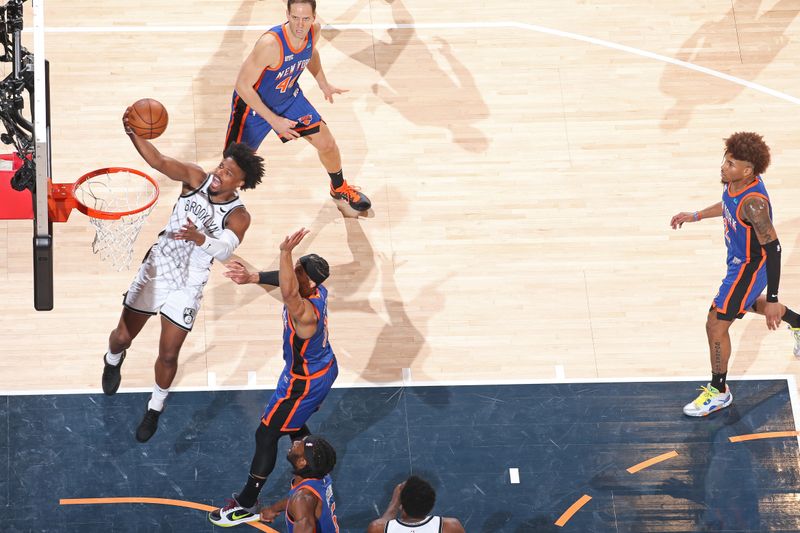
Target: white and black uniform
(174, 272)
(432, 524)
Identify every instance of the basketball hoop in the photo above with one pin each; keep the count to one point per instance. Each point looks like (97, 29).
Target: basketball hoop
(117, 201)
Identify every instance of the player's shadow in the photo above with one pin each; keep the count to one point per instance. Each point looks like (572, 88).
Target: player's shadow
(394, 59)
(708, 47)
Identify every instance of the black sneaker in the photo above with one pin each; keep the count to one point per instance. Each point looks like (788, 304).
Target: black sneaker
(111, 376)
(148, 425)
(352, 195)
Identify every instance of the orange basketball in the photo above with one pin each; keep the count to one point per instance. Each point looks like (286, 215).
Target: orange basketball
(148, 118)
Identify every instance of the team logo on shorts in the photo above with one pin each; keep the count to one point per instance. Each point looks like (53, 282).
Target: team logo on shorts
(188, 315)
(306, 119)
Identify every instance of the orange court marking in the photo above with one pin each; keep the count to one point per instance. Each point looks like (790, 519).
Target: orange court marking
(651, 462)
(769, 435)
(157, 501)
(574, 508)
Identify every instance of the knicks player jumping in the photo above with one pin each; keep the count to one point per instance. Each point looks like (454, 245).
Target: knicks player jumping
(268, 97)
(208, 221)
(309, 372)
(754, 262)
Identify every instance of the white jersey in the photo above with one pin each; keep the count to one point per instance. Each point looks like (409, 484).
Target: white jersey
(180, 263)
(432, 524)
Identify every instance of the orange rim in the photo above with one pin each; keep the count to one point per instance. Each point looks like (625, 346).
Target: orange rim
(111, 215)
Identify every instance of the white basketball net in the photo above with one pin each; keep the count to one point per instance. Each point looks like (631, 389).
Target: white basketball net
(117, 192)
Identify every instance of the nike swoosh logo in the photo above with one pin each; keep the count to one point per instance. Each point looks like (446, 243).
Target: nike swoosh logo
(236, 516)
(223, 210)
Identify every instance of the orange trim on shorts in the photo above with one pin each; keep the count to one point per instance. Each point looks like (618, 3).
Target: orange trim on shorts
(266, 420)
(314, 125)
(296, 405)
(724, 309)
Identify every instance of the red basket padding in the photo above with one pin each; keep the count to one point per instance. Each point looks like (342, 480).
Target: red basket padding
(13, 204)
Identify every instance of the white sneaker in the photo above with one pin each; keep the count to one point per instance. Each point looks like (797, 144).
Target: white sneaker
(796, 335)
(233, 514)
(710, 400)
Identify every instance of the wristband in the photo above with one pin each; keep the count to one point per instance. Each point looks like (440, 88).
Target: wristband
(697, 216)
(268, 278)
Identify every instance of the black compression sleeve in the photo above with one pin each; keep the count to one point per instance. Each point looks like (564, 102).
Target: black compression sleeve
(773, 250)
(268, 278)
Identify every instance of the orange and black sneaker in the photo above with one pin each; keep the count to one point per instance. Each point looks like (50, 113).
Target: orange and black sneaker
(354, 197)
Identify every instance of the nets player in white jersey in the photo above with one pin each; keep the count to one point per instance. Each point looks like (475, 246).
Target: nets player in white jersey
(208, 222)
(414, 500)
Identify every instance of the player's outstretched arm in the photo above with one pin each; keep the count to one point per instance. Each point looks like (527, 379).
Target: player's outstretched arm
(268, 514)
(188, 173)
(683, 217)
(300, 310)
(379, 524)
(315, 68)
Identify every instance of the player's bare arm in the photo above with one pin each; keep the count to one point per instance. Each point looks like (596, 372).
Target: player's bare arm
(303, 509)
(270, 513)
(315, 68)
(379, 524)
(683, 217)
(300, 310)
(265, 54)
(191, 175)
(756, 212)
(452, 525)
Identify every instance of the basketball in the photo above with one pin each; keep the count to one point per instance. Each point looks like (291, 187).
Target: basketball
(148, 118)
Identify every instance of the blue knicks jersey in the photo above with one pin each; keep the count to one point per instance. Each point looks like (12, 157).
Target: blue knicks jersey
(740, 238)
(322, 489)
(306, 357)
(279, 84)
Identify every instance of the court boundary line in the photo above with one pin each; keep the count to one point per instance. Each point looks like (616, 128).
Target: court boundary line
(446, 383)
(445, 26)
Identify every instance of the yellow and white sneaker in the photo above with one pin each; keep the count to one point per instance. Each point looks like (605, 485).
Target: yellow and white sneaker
(796, 335)
(710, 400)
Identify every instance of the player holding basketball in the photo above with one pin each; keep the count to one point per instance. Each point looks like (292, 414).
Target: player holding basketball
(208, 222)
(268, 97)
(754, 261)
(309, 372)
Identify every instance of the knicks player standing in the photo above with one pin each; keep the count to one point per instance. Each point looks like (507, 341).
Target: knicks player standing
(208, 221)
(309, 372)
(268, 97)
(754, 262)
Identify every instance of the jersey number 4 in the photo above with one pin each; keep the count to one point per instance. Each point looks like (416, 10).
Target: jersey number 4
(287, 83)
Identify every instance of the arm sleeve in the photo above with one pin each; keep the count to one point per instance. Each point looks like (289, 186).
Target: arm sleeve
(223, 247)
(773, 249)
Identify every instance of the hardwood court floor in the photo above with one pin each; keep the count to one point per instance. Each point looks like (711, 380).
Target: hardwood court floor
(523, 180)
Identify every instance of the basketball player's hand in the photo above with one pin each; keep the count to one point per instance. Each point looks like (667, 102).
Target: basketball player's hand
(293, 240)
(329, 90)
(772, 312)
(680, 219)
(189, 232)
(125, 124)
(239, 273)
(268, 514)
(283, 127)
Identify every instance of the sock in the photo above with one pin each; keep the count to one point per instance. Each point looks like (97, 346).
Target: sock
(792, 318)
(718, 381)
(249, 495)
(157, 399)
(115, 358)
(337, 179)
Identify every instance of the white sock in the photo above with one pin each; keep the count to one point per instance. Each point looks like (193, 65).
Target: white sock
(156, 402)
(113, 358)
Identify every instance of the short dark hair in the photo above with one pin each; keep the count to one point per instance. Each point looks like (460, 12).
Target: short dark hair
(320, 456)
(251, 164)
(313, 3)
(417, 497)
(750, 147)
